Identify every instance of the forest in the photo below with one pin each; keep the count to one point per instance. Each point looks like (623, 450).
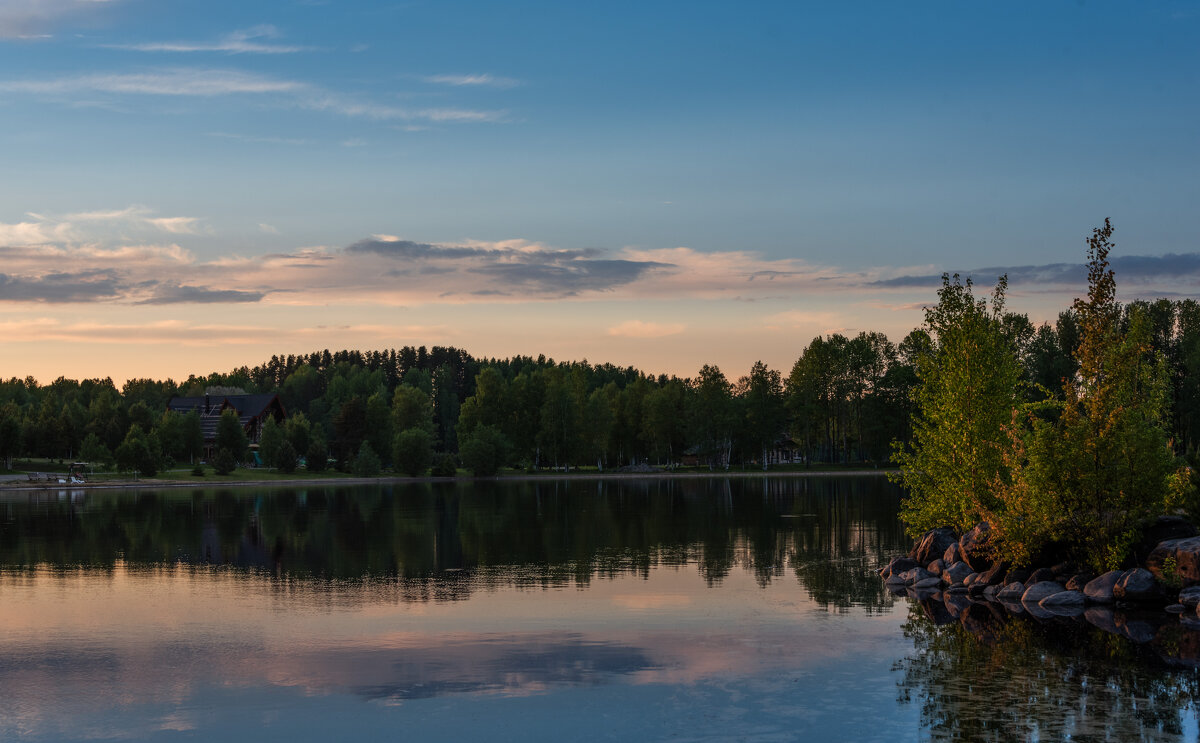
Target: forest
(844, 401)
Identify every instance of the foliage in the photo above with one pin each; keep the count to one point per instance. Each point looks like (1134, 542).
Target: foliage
(224, 462)
(231, 436)
(968, 388)
(94, 451)
(412, 452)
(484, 451)
(198, 471)
(366, 463)
(138, 452)
(316, 457)
(270, 439)
(285, 458)
(444, 465)
(1094, 475)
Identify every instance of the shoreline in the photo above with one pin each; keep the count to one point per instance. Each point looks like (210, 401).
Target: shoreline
(402, 480)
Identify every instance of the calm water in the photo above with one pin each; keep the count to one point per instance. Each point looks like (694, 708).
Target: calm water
(647, 610)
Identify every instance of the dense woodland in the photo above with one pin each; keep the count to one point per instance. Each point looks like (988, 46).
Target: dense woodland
(845, 400)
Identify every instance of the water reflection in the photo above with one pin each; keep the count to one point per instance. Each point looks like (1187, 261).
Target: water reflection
(981, 673)
(447, 540)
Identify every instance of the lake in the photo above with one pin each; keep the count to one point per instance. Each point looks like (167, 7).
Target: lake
(691, 610)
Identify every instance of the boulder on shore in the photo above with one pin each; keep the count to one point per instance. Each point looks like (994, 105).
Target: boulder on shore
(1185, 552)
(953, 554)
(1100, 590)
(1062, 598)
(1190, 597)
(1138, 585)
(1011, 592)
(955, 574)
(1038, 591)
(976, 547)
(898, 565)
(932, 545)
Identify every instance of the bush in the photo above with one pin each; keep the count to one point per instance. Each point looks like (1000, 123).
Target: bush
(285, 458)
(198, 471)
(484, 451)
(316, 458)
(366, 462)
(412, 451)
(224, 463)
(445, 465)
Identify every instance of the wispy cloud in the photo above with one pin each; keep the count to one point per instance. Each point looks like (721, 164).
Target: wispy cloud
(480, 80)
(210, 82)
(245, 41)
(642, 329)
(1130, 268)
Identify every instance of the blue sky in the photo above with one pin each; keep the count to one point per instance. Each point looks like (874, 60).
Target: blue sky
(191, 185)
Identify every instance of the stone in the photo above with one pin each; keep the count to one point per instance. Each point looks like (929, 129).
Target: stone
(953, 554)
(916, 574)
(936, 566)
(1099, 590)
(1013, 607)
(1174, 609)
(1138, 585)
(1038, 591)
(1040, 575)
(927, 583)
(1190, 597)
(1011, 592)
(1078, 581)
(898, 565)
(1185, 552)
(932, 545)
(1017, 575)
(994, 576)
(976, 547)
(1162, 529)
(955, 573)
(1062, 598)
(990, 592)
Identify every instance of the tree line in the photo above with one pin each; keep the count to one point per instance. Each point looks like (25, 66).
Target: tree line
(845, 400)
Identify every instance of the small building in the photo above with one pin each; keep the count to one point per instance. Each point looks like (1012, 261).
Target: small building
(252, 411)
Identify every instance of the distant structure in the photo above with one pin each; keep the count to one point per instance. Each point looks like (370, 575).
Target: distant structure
(252, 411)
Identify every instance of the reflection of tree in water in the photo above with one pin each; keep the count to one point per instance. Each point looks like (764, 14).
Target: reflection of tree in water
(443, 541)
(991, 677)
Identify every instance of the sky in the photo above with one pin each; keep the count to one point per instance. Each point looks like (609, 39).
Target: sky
(190, 187)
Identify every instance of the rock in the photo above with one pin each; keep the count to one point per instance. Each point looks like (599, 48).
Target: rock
(990, 592)
(1013, 607)
(976, 547)
(932, 545)
(1100, 590)
(955, 573)
(898, 565)
(1185, 552)
(1078, 581)
(993, 576)
(1011, 592)
(1162, 529)
(953, 554)
(955, 603)
(936, 566)
(1062, 598)
(1174, 609)
(927, 583)
(1138, 585)
(894, 581)
(915, 574)
(1041, 574)
(1063, 570)
(1139, 630)
(1038, 591)
(1017, 575)
(1190, 597)
(935, 609)
(976, 589)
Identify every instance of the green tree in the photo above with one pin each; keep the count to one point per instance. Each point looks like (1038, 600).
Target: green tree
(968, 390)
(298, 430)
(94, 451)
(764, 408)
(285, 458)
(10, 433)
(484, 451)
(412, 407)
(270, 440)
(231, 436)
(224, 462)
(316, 457)
(1093, 476)
(139, 452)
(412, 453)
(366, 463)
(712, 419)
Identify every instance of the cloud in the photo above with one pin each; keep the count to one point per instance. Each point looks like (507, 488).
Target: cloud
(90, 226)
(168, 292)
(238, 42)
(483, 80)
(25, 19)
(214, 82)
(54, 288)
(641, 329)
(1135, 268)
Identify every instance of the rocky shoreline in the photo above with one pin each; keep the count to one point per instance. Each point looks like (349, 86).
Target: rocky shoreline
(961, 569)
